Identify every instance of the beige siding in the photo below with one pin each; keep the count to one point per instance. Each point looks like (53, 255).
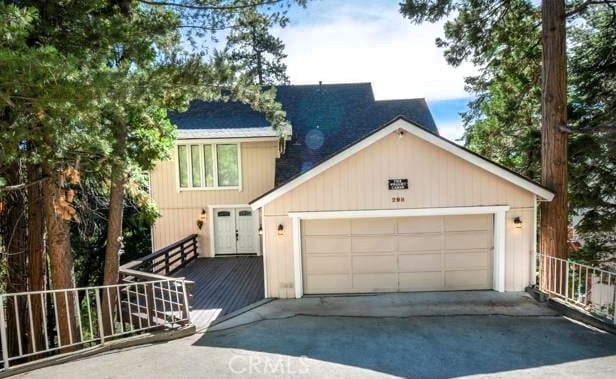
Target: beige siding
(436, 179)
(180, 209)
(518, 249)
(278, 258)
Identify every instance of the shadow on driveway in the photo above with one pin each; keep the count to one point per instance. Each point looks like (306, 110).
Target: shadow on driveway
(435, 347)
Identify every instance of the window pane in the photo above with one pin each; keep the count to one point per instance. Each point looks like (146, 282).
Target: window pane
(209, 165)
(183, 166)
(195, 160)
(227, 166)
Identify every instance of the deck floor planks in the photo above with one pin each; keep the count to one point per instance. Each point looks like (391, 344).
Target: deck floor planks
(223, 285)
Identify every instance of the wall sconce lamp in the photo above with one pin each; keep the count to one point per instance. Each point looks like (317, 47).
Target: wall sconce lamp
(280, 229)
(202, 219)
(260, 230)
(517, 222)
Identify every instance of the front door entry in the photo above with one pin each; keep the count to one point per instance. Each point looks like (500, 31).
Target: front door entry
(234, 231)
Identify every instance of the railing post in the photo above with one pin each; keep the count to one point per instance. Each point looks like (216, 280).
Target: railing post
(186, 301)
(167, 263)
(182, 254)
(5, 351)
(99, 316)
(151, 310)
(567, 281)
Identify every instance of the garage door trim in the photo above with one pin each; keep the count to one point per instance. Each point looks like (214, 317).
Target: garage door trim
(499, 213)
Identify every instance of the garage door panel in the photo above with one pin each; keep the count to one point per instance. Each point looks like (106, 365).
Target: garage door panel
(327, 244)
(421, 242)
(468, 279)
(397, 254)
(467, 260)
(375, 282)
(425, 261)
(373, 244)
(332, 283)
(373, 226)
(468, 240)
(318, 264)
(326, 227)
(421, 281)
(420, 225)
(374, 263)
(468, 223)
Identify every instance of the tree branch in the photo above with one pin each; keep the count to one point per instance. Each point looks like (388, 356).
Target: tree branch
(210, 7)
(582, 6)
(22, 185)
(590, 130)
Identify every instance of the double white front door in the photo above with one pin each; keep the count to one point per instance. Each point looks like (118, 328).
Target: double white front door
(234, 231)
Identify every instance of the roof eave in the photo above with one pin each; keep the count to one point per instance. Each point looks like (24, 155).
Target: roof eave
(401, 122)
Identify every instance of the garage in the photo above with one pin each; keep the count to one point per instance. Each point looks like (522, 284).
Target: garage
(401, 210)
(365, 255)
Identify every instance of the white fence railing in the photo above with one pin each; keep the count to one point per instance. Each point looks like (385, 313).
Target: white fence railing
(34, 325)
(589, 288)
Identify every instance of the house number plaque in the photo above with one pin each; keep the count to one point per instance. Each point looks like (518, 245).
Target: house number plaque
(398, 184)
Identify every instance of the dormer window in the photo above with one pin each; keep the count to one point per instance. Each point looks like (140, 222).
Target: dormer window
(208, 166)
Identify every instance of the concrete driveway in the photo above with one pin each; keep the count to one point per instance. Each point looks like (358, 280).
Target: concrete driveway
(399, 335)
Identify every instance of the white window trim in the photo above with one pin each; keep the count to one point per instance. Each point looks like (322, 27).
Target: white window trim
(216, 187)
(500, 232)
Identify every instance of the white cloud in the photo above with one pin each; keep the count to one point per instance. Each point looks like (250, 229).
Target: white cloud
(371, 42)
(452, 131)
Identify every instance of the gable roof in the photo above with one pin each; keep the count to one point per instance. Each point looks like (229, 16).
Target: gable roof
(401, 123)
(325, 119)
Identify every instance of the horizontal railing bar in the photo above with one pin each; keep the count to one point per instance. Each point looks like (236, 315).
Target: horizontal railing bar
(167, 279)
(577, 264)
(160, 252)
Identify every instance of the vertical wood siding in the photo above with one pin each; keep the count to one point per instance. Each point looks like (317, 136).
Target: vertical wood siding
(436, 177)
(179, 209)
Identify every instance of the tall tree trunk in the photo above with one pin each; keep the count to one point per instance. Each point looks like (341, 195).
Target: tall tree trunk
(554, 214)
(114, 228)
(60, 258)
(37, 264)
(16, 239)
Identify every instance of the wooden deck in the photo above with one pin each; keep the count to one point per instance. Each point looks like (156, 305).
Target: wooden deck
(223, 285)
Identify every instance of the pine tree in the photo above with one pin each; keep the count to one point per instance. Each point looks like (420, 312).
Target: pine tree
(254, 51)
(503, 122)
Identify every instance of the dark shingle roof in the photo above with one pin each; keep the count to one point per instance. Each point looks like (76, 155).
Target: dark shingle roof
(325, 119)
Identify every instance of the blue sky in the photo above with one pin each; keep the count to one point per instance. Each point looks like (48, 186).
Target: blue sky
(369, 41)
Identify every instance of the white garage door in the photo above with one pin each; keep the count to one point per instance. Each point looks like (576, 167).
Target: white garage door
(397, 254)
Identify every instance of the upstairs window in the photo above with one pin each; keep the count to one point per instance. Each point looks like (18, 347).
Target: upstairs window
(209, 165)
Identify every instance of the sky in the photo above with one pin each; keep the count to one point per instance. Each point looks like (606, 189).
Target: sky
(336, 41)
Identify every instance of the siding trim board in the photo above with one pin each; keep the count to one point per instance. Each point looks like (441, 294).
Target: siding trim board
(499, 230)
(401, 125)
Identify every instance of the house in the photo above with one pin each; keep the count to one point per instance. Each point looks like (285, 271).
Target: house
(367, 197)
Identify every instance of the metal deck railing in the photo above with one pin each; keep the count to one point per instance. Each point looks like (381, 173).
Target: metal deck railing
(589, 288)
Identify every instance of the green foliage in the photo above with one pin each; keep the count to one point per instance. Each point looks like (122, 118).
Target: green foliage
(254, 51)
(77, 76)
(503, 38)
(592, 91)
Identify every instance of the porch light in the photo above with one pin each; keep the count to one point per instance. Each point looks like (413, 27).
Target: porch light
(260, 230)
(517, 222)
(280, 229)
(201, 219)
